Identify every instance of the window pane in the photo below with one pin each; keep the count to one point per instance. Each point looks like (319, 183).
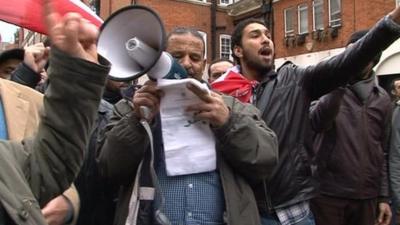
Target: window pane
(318, 15)
(303, 19)
(225, 46)
(289, 21)
(335, 17)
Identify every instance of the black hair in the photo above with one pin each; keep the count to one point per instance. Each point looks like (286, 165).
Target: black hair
(188, 30)
(236, 38)
(357, 36)
(15, 53)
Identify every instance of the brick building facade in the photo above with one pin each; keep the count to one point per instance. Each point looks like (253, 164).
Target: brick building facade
(307, 31)
(304, 31)
(188, 13)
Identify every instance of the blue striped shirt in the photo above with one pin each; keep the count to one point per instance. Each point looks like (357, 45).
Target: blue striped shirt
(189, 199)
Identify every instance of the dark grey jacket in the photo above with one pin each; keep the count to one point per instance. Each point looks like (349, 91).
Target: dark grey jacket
(36, 170)
(246, 150)
(394, 154)
(284, 99)
(352, 142)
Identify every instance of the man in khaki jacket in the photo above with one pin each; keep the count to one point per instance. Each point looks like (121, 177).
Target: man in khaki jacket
(34, 171)
(21, 105)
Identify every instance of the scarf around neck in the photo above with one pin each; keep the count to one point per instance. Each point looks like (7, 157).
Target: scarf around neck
(236, 85)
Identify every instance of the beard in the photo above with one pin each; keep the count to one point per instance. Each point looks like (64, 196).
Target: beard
(256, 63)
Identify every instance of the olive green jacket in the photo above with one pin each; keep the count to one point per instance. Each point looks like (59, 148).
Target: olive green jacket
(35, 170)
(247, 151)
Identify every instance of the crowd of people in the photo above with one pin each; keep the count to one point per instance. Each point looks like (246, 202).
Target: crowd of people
(294, 145)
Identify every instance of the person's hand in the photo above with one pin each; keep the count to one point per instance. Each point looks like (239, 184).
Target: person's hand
(147, 96)
(56, 210)
(395, 15)
(71, 33)
(36, 56)
(385, 214)
(212, 109)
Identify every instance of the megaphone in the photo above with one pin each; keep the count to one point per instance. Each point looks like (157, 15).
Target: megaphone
(132, 39)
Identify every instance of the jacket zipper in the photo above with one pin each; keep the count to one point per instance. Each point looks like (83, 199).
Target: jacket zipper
(268, 204)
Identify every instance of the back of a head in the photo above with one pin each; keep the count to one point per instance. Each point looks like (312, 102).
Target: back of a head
(357, 36)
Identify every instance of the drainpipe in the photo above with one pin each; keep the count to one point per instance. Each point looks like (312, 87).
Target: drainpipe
(271, 20)
(268, 15)
(213, 28)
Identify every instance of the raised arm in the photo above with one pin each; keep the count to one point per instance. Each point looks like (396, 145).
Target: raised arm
(323, 111)
(338, 70)
(55, 154)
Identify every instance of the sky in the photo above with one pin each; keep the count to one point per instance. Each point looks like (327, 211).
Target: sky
(7, 31)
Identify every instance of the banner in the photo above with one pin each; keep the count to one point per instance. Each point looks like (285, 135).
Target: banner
(29, 13)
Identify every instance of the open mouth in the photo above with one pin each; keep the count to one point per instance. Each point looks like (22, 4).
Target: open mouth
(265, 51)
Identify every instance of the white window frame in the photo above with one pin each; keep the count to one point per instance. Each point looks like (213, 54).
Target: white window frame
(300, 8)
(314, 6)
(225, 4)
(288, 32)
(333, 22)
(204, 35)
(225, 36)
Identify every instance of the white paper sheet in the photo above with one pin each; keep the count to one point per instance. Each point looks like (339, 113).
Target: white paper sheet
(189, 144)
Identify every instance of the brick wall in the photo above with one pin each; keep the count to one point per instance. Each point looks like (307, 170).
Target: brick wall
(356, 15)
(175, 13)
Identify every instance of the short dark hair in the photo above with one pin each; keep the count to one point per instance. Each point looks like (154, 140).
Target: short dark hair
(236, 38)
(15, 53)
(217, 61)
(188, 30)
(357, 36)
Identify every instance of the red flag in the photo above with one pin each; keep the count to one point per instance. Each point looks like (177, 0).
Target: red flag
(28, 13)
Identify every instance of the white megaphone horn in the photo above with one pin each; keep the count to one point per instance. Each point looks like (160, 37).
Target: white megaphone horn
(132, 39)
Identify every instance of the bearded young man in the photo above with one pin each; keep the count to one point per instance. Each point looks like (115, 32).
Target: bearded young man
(284, 97)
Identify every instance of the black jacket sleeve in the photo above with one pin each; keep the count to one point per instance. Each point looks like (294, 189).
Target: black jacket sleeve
(337, 71)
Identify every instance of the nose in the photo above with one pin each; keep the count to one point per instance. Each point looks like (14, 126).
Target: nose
(185, 62)
(265, 39)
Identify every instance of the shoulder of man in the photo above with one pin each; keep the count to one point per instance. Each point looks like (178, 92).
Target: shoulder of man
(26, 92)
(286, 65)
(235, 105)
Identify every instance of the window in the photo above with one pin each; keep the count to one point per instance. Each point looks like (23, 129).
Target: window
(318, 14)
(225, 2)
(397, 2)
(225, 46)
(204, 34)
(334, 13)
(95, 6)
(303, 19)
(289, 22)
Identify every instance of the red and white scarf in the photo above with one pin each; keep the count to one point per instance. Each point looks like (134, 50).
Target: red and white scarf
(236, 85)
